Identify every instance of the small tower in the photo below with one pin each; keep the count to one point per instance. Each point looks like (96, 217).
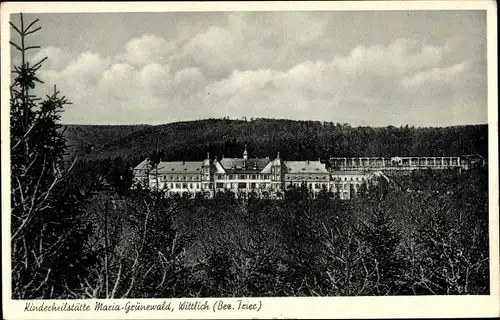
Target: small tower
(245, 153)
(206, 162)
(205, 173)
(276, 171)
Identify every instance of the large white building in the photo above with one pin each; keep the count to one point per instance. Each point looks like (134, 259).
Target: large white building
(247, 175)
(266, 177)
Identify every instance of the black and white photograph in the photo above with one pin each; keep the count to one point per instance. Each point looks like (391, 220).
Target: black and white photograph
(198, 162)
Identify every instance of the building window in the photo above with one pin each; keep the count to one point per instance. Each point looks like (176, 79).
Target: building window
(253, 177)
(231, 177)
(184, 186)
(177, 185)
(219, 185)
(252, 185)
(242, 185)
(242, 177)
(190, 186)
(197, 186)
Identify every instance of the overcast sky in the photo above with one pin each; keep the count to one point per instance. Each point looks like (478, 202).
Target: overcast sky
(422, 68)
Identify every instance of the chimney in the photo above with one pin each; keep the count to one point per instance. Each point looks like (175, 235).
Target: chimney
(208, 155)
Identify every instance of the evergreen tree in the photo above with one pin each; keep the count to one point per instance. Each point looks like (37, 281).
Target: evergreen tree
(382, 239)
(49, 232)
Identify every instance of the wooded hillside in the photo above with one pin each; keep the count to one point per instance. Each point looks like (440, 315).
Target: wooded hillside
(265, 137)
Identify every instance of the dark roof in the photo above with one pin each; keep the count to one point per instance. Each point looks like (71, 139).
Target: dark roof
(305, 167)
(179, 167)
(349, 172)
(240, 165)
(143, 165)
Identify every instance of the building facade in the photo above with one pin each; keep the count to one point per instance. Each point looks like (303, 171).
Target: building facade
(265, 177)
(311, 174)
(245, 175)
(395, 163)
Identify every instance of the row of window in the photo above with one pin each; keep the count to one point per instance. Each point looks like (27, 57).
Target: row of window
(188, 186)
(311, 185)
(244, 176)
(436, 162)
(242, 185)
(253, 185)
(348, 179)
(178, 178)
(183, 185)
(255, 177)
(309, 178)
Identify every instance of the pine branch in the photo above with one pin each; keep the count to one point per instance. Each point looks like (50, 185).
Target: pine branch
(32, 31)
(17, 47)
(15, 28)
(30, 25)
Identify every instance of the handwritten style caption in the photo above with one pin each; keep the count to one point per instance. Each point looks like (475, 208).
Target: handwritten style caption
(160, 305)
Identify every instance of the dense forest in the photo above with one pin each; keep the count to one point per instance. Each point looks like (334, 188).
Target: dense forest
(385, 242)
(79, 231)
(294, 140)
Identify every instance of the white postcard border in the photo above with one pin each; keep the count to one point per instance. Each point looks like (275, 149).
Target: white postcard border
(321, 307)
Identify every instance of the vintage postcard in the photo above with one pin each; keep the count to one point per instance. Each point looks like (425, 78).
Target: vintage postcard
(249, 160)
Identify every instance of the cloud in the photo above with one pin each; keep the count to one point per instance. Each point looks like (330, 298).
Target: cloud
(436, 75)
(56, 57)
(359, 73)
(365, 83)
(230, 69)
(119, 81)
(79, 77)
(399, 57)
(148, 49)
(246, 40)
